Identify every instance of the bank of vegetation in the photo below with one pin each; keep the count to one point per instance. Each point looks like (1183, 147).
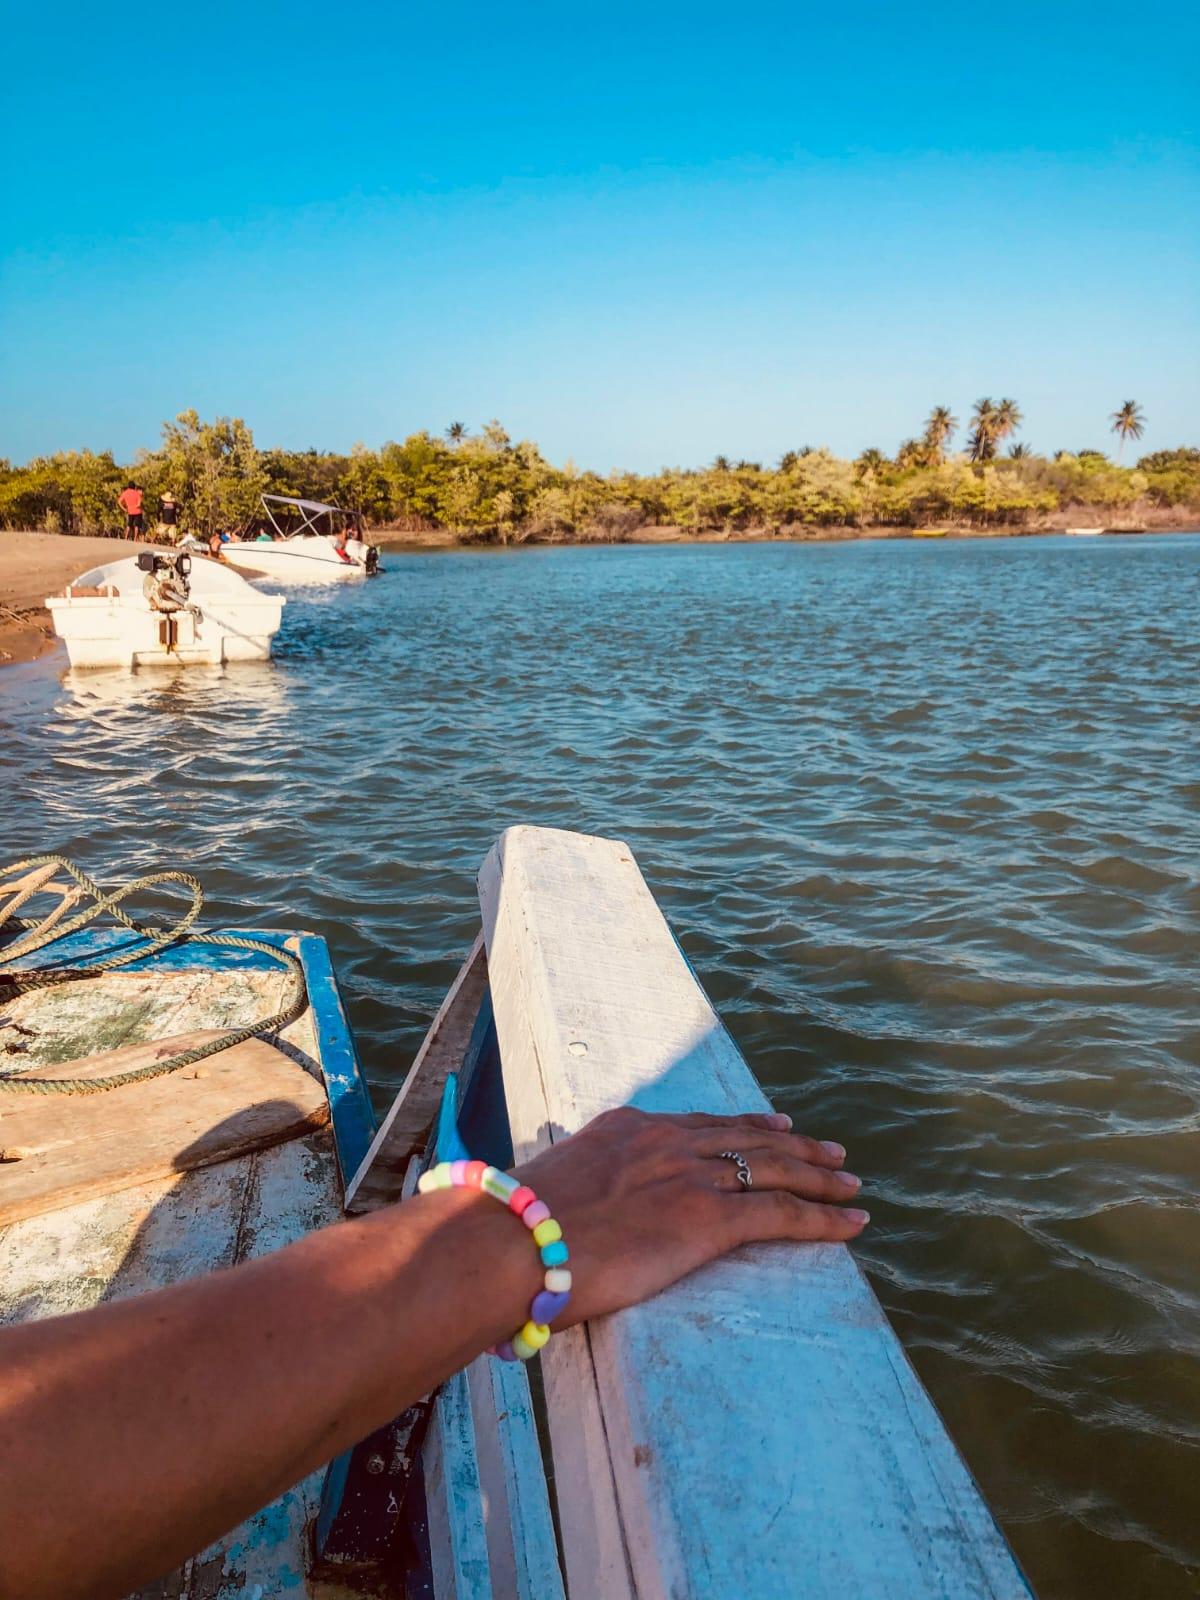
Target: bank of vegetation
(487, 487)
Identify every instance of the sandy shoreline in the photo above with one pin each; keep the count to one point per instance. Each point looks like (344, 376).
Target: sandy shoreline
(34, 565)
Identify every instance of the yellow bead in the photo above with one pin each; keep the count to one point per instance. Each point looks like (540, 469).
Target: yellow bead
(534, 1334)
(436, 1178)
(547, 1232)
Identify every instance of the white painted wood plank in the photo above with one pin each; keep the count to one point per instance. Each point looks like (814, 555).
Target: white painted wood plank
(516, 1504)
(764, 1431)
(458, 1543)
(379, 1178)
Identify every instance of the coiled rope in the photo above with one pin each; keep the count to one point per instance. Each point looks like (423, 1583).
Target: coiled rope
(22, 880)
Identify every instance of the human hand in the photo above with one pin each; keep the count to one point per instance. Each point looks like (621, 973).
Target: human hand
(645, 1198)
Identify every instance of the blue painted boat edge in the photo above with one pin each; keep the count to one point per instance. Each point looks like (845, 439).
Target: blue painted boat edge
(349, 1103)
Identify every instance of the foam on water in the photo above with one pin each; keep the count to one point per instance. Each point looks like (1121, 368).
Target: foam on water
(925, 819)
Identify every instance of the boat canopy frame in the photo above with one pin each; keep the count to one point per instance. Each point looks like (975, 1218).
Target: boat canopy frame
(311, 512)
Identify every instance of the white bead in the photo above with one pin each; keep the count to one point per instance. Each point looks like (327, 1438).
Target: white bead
(558, 1280)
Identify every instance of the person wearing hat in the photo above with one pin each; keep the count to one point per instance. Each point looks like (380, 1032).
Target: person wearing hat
(168, 516)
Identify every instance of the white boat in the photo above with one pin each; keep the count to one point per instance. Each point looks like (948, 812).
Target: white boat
(322, 547)
(158, 609)
(1082, 533)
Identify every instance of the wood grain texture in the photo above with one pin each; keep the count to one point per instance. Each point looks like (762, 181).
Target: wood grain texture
(77, 1146)
(762, 1428)
(380, 1178)
(458, 1544)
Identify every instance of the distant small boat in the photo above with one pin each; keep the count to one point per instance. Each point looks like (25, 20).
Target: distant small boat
(317, 549)
(158, 609)
(1082, 533)
(929, 533)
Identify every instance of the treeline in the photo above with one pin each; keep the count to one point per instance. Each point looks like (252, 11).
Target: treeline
(487, 487)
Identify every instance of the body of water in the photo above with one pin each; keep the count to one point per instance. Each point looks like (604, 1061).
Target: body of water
(925, 818)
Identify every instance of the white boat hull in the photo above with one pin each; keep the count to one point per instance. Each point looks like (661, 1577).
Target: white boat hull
(308, 558)
(118, 628)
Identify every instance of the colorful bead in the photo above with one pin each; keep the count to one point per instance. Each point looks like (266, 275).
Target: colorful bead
(505, 1351)
(545, 1232)
(521, 1349)
(533, 1333)
(539, 1211)
(473, 1172)
(521, 1199)
(498, 1184)
(458, 1173)
(558, 1280)
(436, 1178)
(547, 1306)
(555, 1255)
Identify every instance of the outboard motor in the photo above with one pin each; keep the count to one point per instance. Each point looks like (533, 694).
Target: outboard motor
(371, 560)
(166, 585)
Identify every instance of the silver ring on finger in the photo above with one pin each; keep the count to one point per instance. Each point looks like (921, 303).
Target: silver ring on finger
(744, 1176)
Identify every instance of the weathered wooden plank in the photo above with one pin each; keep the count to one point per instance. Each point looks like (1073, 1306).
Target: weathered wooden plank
(349, 1102)
(380, 1177)
(522, 1551)
(457, 1536)
(759, 1422)
(76, 1146)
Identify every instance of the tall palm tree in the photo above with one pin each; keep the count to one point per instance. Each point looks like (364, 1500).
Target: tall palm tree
(1129, 422)
(1008, 418)
(912, 453)
(456, 432)
(1020, 452)
(939, 429)
(982, 443)
(871, 460)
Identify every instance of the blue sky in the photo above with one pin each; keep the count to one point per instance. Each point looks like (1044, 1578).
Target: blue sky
(641, 235)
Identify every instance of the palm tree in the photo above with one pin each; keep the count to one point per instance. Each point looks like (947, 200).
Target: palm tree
(939, 429)
(720, 464)
(912, 453)
(871, 460)
(456, 432)
(1020, 452)
(1129, 422)
(788, 460)
(1008, 419)
(982, 443)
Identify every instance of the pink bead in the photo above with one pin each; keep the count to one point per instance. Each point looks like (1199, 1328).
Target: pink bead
(473, 1172)
(458, 1173)
(539, 1211)
(520, 1198)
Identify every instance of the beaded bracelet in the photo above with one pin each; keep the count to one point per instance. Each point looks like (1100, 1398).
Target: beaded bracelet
(551, 1299)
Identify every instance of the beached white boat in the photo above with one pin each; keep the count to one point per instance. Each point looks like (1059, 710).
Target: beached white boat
(156, 609)
(1082, 533)
(322, 546)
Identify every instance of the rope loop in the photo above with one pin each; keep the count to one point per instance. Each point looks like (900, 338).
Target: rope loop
(21, 881)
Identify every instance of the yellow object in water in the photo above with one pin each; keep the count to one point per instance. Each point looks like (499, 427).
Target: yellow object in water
(929, 533)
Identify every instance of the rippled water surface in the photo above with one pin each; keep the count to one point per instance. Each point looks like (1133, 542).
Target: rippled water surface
(925, 819)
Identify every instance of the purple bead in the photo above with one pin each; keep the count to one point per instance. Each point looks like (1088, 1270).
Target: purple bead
(504, 1351)
(546, 1306)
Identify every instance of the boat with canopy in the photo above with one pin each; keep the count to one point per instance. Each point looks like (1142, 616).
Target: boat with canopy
(304, 541)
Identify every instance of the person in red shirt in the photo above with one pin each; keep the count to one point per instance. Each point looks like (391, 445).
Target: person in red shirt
(130, 502)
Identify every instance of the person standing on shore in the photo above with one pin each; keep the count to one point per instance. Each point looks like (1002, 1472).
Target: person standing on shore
(168, 517)
(130, 502)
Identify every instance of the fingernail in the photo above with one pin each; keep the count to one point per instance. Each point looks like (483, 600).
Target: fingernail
(837, 1151)
(849, 1180)
(781, 1120)
(859, 1217)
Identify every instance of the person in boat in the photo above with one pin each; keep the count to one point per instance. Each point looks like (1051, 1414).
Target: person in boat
(339, 545)
(168, 517)
(134, 1434)
(130, 502)
(215, 543)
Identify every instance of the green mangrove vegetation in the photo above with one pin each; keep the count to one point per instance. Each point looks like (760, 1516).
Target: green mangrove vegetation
(485, 486)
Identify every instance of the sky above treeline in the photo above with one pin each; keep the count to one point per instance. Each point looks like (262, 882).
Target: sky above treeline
(641, 235)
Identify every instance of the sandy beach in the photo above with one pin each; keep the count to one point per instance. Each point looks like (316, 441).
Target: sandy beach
(32, 566)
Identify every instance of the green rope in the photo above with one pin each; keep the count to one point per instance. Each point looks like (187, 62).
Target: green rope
(39, 872)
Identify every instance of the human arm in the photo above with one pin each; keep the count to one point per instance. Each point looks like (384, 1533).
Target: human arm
(134, 1434)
